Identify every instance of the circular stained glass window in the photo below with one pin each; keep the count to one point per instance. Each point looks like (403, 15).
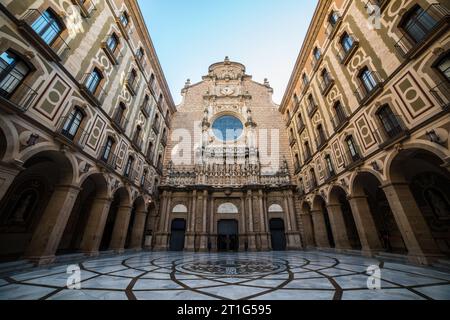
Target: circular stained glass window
(228, 128)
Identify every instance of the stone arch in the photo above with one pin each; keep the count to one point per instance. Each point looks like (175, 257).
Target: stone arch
(228, 208)
(180, 208)
(276, 208)
(418, 190)
(9, 141)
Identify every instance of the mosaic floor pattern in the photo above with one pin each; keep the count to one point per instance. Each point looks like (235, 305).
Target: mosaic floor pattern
(240, 276)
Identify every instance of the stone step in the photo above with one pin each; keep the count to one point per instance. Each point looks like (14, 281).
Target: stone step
(392, 257)
(16, 266)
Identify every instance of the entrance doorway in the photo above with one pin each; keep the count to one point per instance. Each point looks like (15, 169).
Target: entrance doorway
(278, 235)
(178, 235)
(228, 235)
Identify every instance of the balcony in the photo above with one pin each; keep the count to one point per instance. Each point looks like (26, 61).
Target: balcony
(115, 57)
(15, 94)
(300, 127)
(292, 140)
(442, 94)
(353, 159)
(137, 143)
(130, 83)
(366, 93)
(321, 142)
(391, 132)
(297, 167)
(131, 175)
(86, 7)
(408, 47)
(344, 56)
(53, 50)
(340, 120)
(312, 108)
(120, 123)
(333, 28)
(326, 85)
(110, 161)
(67, 135)
(95, 97)
(376, 3)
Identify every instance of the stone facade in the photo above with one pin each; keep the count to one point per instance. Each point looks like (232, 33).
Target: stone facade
(227, 193)
(367, 106)
(84, 113)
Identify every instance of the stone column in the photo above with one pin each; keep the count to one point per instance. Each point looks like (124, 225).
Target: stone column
(137, 233)
(293, 235)
(190, 234)
(212, 229)
(265, 246)
(120, 230)
(204, 233)
(418, 239)
(367, 231)
(338, 227)
(242, 226)
(251, 233)
(95, 226)
(320, 229)
(7, 175)
(308, 228)
(46, 237)
(161, 236)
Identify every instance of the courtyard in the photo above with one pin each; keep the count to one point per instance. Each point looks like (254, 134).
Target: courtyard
(306, 275)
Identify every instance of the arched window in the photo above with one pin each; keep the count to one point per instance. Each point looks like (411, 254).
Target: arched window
(390, 122)
(132, 77)
(417, 23)
(313, 178)
(330, 166)
(347, 42)
(160, 100)
(13, 71)
(321, 134)
(120, 113)
(107, 150)
(152, 82)
(137, 134)
(307, 150)
(48, 26)
(333, 18)
(73, 123)
(150, 151)
(352, 148)
(93, 81)
(144, 177)
(325, 76)
(112, 42)
(305, 80)
(140, 54)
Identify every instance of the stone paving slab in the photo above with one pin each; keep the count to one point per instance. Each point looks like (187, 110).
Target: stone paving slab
(202, 276)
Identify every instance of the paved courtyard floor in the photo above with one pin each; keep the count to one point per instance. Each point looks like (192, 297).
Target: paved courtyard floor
(248, 276)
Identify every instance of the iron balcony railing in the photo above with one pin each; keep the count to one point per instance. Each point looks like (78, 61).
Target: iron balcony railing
(442, 94)
(312, 108)
(344, 55)
(391, 129)
(353, 157)
(86, 7)
(339, 120)
(51, 42)
(96, 95)
(326, 85)
(13, 89)
(321, 141)
(332, 28)
(115, 56)
(368, 87)
(120, 122)
(108, 159)
(131, 83)
(409, 43)
(68, 132)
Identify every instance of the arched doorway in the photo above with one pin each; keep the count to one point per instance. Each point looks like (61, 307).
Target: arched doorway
(366, 185)
(26, 203)
(93, 187)
(228, 235)
(278, 236)
(428, 187)
(177, 236)
(338, 198)
(322, 223)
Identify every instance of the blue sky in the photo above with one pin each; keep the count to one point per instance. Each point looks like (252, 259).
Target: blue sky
(265, 35)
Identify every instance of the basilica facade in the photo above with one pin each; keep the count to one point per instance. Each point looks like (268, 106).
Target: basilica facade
(227, 184)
